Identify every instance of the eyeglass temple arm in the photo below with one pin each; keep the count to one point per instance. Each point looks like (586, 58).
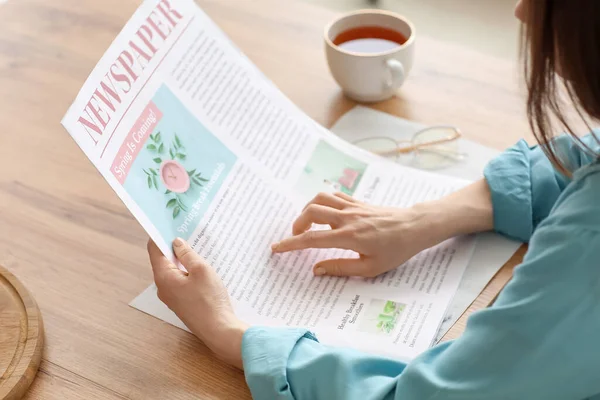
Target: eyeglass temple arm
(409, 149)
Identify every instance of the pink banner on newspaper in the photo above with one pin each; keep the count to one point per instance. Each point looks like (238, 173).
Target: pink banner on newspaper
(134, 142)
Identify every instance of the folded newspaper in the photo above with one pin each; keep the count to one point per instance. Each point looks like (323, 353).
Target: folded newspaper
(199, 144)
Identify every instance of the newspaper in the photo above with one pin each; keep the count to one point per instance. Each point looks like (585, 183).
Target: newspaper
(199, 144)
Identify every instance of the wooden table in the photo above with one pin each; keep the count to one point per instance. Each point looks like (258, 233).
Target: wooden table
(68, 237)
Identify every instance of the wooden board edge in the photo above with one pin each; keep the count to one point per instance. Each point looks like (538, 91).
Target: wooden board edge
(27, 367)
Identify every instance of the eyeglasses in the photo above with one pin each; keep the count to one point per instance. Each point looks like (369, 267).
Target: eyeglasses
(430, 148)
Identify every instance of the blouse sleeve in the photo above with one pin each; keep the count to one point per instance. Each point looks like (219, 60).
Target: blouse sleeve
(525, 185)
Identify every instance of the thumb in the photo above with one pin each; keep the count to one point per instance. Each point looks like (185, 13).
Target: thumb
(187, 256)
(342, 267)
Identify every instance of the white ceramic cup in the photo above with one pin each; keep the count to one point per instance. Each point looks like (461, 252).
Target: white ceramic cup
(370, 77)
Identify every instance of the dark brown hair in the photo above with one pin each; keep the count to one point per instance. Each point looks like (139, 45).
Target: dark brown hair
(561, 37)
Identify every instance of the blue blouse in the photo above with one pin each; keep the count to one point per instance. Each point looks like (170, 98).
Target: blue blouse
(539, 340)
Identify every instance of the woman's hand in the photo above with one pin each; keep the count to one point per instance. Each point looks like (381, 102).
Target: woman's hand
(199, 299)
(385, 237)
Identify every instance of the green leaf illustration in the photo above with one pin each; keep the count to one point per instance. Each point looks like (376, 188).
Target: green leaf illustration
(146, 172)
(153, 171)
(157, 136)
(171, 203)
(167, 191)
(161, 148)
(171, 153)
(149, 182)
(181, 205)
(176, 211)
(151, 147)
(197, 182)
(155, 181)
(177, 141)
(203, 179)
(180, 156)
(192, 172)
(158, 160)
(152, 136)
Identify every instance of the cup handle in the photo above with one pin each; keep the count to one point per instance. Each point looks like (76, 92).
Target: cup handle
(395, 76)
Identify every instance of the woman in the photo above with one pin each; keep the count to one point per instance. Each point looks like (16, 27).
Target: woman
(541, 338)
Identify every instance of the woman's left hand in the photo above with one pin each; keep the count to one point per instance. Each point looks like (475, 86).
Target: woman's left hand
(199, 299)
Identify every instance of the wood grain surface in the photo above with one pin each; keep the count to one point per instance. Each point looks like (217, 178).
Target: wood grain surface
(74, 244)
(21, 337)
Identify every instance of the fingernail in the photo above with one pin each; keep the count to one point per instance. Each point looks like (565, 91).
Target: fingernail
(274, 246)
(178, 242)
(320, 271)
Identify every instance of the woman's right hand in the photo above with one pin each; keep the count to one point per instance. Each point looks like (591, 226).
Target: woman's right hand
(385, 237)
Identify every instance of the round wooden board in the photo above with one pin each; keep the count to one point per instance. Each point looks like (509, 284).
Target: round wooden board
(21, 337)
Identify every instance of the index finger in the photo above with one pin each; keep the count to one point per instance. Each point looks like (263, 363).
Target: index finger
(161, 267)
(314, 239)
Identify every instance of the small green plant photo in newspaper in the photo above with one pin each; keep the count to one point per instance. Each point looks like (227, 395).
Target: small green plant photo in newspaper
(381, 317)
